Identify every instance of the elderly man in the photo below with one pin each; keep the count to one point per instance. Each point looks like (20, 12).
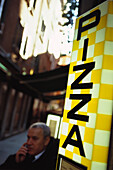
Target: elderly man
(39, 152)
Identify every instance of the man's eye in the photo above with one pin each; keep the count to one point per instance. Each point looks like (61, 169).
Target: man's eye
(35, 138)
(28, 137)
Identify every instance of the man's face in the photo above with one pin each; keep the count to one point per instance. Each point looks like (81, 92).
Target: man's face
(36, 142)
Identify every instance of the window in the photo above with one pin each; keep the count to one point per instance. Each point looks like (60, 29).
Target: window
(18, 34)
(25, 46)
(2, 14)
(43, 27)
(48, 2)
(32, 4)
(1, 7)
(17, 38)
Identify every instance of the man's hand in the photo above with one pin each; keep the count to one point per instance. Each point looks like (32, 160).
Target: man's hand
(21, 153)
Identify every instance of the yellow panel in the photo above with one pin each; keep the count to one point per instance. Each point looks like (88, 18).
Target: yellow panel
(75, 45)
(74, 103)
(106, 91)
(99, 49)
(85, 91)
(80, 52)
(77, 23)
(89, 135)
(89, 60)
(78, 74)
(71, 67)
(102, 23)
(92, 107)
(103, 122)
(86, 162)
(69, 91)
(109, 34)
(110, 8)
(76, 151)
(92, 37)
(69, 154)
(84, 33)
(62, 139)
(108, 62)
(99, 153)
(81, 123)
(65, 116)
(96, 76)
(92, 19)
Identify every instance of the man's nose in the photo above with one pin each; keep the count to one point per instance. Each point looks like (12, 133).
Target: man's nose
(29, 141)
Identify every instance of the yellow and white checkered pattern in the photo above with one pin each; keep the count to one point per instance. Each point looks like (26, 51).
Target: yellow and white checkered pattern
(95, 133)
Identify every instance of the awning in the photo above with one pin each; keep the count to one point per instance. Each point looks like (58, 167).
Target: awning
(38, 84)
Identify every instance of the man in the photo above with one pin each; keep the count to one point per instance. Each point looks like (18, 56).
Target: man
(38, 153)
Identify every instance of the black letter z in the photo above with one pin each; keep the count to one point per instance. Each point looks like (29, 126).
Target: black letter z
(76, 84)
(85, 99)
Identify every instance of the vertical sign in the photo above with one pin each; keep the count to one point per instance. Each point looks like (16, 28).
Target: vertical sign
(88, 106)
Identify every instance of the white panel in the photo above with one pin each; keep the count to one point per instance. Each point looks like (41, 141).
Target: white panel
(88, 150)
(92, 120)
(108, 49)
(98, 62)
(95, 90)
(90, 52)
(110, 20)
(102, 138)
(68, 104)
(105, 106)
(71, 79)
(100, 35)
(77, 158)
(65, 128)
(74, 56)
(70, 148)
(98, 166)
(107, 77)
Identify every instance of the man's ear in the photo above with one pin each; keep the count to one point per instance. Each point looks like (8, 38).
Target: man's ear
(47, 140)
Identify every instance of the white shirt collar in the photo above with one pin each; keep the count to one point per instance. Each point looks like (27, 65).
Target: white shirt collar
(39, 155)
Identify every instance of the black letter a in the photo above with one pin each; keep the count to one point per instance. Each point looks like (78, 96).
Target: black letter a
(77, 143)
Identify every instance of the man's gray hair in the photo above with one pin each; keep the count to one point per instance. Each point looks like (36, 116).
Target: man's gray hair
(43, 126)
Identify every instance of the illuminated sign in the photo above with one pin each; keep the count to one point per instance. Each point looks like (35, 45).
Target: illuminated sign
(88, 106)
(3, 67)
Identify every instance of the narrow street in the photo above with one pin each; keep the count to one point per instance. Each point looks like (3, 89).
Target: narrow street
(11, 145)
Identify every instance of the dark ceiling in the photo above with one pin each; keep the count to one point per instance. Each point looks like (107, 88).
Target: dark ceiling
(86, 5)
(42, 84)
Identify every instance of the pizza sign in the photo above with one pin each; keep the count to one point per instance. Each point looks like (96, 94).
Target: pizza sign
(88, 104)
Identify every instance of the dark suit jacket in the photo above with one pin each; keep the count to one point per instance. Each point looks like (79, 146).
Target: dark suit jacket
(47, 161)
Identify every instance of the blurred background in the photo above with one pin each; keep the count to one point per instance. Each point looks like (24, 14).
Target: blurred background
(36, 38)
